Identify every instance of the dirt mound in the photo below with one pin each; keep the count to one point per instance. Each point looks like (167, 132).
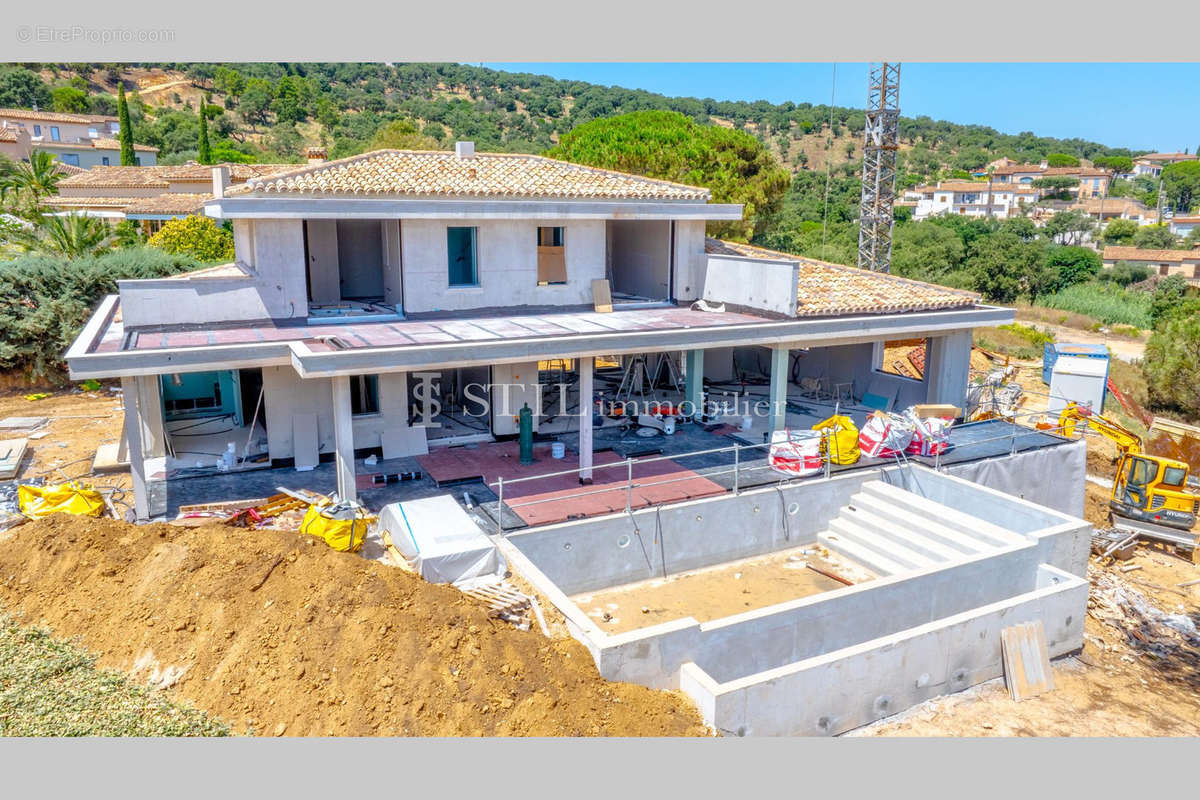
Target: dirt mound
(278, 634)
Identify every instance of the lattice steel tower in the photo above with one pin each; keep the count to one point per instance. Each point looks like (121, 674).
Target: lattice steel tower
(881, 140)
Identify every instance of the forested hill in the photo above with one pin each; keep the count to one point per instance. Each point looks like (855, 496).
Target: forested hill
(271, 111)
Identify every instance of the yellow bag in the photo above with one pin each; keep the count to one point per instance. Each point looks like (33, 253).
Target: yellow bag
(36, 502)
(342, 529)
(844, 435)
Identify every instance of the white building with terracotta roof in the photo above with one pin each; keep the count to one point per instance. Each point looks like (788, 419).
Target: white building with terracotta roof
(1160, 262)
(1152, 164)
(396, 302)
(971, 199)
(80, 140)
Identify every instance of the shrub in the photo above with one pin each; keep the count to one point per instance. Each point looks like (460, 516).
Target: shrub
(1106, 302)
(196, 236)
(1172, 364)
(45, 300)
(1124, 273)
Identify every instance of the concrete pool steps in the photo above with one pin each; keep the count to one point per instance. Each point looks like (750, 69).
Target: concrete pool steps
(890, 530)
(947, 516)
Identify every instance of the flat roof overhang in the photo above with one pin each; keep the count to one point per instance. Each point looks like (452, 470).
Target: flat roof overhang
(435, 208)
(323, 363)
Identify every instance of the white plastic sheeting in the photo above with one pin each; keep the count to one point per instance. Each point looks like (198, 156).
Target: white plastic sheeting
(441, 540)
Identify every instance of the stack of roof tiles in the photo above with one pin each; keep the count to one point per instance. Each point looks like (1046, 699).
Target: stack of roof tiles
(828, 289)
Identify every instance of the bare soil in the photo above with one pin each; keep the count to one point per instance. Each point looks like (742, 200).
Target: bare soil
(278, 634)
(721, 591)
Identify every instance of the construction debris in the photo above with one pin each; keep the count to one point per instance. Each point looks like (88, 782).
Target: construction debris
(12, 452)
(1147, 628)
(1027, 671)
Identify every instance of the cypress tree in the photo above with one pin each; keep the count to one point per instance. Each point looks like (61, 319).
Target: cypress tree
(128, 158)
(205, 148)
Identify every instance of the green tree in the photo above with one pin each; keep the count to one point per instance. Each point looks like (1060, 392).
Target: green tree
(1172, 363)
(1069, 227)
(205, 150)
(734, 165)
(1120, 232)
(1118, 164)
(1154, 237)
(1057, 186)
(1061, 160)
(256, 100)
(28, 182)
(71, 236)
(196, 236)
(70, 100)
(1124, 273)
(926, 251)
(1003, 267)
(401, 135)
(1168, 296)
(1072, 265)
(128, 157)
(1181, 182)
(229, 81)
(22, 88)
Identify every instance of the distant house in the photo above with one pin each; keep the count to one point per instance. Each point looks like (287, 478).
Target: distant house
(149, 195)
(1152, 163)
(1183, 225)
(80, 140)
(970, 198)
(1160, 262)
(1093, 181)
(1106, 209)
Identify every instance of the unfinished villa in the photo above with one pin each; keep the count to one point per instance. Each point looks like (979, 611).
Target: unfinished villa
(556, 360)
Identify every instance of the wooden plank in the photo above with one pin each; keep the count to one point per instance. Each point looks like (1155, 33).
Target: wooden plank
(602, 295)
(305, 447)
(1027, 671)
(12, 451)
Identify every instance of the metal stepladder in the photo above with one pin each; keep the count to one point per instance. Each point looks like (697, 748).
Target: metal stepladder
(639, 374)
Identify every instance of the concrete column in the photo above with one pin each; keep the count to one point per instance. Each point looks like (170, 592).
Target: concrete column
(779, 384)
(133, 439)
(694, 392)
(586, 395)
(343, 438)
(947, 367)
(150, 404)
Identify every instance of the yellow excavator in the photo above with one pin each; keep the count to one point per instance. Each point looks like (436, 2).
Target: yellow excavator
(1147, 489)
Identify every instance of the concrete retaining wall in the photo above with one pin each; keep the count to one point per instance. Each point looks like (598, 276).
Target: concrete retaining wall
(849, 687)
(753, 283)
(597, 553)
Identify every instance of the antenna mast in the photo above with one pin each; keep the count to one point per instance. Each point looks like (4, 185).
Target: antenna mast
(881, 140)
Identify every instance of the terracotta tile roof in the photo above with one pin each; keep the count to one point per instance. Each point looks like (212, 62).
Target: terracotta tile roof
(976, 186)
(435, 173)
(1013, 169)
(834, 289)
(1135, 254)
(1165, 157)
(70, 170)
(1187, 219)
(1112, 205)
(168, 203)
(58, 201)
(1083, 172)
(238, 173)
(118, 178)
(52, 116)
(103, 143)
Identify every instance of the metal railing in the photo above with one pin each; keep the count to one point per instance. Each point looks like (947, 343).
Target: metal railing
(738, 470)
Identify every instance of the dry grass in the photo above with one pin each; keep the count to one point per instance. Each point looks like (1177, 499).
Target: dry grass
(49, 687)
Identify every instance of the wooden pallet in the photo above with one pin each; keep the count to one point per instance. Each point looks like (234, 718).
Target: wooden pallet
(508, 604)
(1027, 671)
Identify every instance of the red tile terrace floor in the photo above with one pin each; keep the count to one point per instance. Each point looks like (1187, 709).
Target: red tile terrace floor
(557, 498)
(365, 334)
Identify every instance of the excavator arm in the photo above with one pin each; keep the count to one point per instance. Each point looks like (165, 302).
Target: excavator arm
(1126, 440)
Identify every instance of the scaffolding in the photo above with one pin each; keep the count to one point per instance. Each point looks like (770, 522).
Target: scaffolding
(880, 143)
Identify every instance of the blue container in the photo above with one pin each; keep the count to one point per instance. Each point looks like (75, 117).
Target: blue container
(1052, 350)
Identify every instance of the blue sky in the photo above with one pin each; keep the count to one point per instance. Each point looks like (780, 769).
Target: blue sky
(1141, 106)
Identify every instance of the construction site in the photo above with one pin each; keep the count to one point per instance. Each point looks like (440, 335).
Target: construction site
(487, 444)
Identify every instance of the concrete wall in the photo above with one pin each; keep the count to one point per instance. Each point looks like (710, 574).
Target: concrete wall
(275, 289)
(770, 286)
(947, 368)
(287, 394)
(587, 555)
(506, 261)
(846, 688)
(639, 255)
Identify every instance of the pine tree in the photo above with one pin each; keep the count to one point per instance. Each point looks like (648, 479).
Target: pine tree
(205, 148)
(128, 159)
